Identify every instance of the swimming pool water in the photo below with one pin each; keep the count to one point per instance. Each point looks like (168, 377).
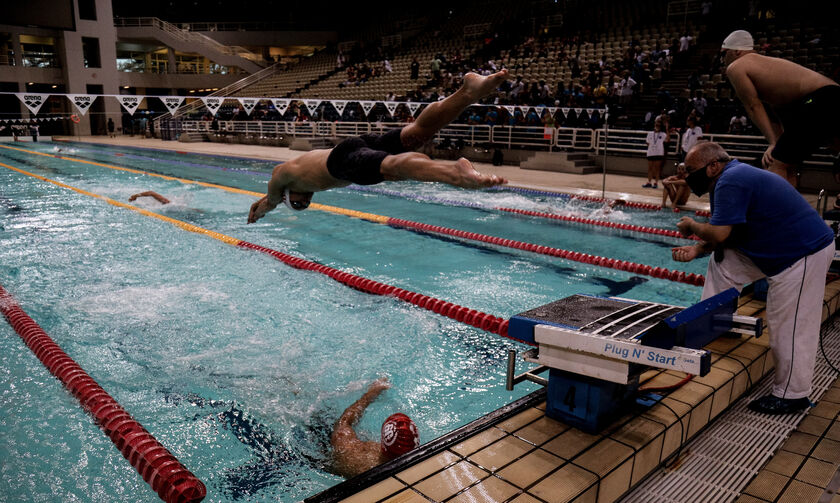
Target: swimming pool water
(238, 363)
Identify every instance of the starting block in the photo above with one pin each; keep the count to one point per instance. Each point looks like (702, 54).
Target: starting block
(596, 348)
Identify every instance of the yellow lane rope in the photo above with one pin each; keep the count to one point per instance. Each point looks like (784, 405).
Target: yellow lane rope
(322, 207)
(184, 225)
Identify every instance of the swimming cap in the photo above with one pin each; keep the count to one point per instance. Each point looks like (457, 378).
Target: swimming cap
(301, 205)
(738, 40)
(399, 435)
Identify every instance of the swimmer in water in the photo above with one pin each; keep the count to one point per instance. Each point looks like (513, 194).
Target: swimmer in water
(149, 193)
(353, 456)
(370, 159)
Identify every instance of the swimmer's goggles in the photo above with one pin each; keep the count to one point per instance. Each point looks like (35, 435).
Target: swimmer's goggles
(294, 205)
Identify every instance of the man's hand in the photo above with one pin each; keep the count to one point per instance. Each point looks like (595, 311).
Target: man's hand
(259, 209)
(379, 385)
(684, 226)
(767, 159)
(685, 253)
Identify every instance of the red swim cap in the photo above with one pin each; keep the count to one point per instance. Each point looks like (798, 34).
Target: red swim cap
(399, 435)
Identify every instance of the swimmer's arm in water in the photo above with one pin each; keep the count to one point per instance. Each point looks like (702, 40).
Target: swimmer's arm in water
(274, 196)
(343, 431)
(149, 193)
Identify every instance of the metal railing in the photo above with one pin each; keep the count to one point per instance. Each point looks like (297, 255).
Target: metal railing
(185, 35)
(620, 141)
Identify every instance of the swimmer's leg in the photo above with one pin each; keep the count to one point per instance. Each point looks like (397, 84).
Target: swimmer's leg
(417, 166)
(787, 171)
(437, 115)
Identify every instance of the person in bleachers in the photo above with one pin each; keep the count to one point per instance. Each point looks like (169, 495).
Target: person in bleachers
(370, 159)
(415, 69)
(807, 102)
(738, 123)
(692, 134)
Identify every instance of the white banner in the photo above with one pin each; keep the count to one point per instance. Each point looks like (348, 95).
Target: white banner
(552, 110)
(391, 106)
(171, 102)
(339, 105)
(578, 111)
(510, 109)
(311, 105)
(412, 107)
(82, 102)
(565, 111)
(540, 111)
(212, 103)
(367, 106)
(32, 101)
(249, 104)
(130, 103)
(281, 104)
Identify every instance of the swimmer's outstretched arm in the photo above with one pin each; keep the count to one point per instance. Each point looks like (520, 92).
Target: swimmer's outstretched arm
(274, 196)
(149, 193)
(343, 431)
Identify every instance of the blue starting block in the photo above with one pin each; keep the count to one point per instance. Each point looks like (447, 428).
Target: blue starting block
(596, 348)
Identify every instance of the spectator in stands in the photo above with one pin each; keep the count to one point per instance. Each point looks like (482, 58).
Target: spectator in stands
(625, 88)
(675, 188)
(738, 123)
(656, 141)
(415, 69)
(516, 89)
(699, 103)
(808, 102)
(434, 67)
(780, 237)
(371, 159)
(690, 136)
(353, 456)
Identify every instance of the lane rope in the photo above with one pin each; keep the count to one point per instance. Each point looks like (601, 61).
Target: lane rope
(416, 197)
(539, 214)
(158, 467)
(477, 319)
(633, 267)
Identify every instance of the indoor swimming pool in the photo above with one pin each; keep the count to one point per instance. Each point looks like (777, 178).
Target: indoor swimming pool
(240, 364)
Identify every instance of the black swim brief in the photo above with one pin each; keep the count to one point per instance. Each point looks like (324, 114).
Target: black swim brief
(358, 159)
(808, 125)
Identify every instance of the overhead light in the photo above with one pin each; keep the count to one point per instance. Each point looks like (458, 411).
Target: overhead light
(192, 90)
(30, 83)
(125, 87)
(54, 86)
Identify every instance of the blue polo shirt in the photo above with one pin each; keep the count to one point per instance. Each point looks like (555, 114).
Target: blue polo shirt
(772, 223)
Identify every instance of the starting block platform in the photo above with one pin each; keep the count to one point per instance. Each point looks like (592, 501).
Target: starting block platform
(597, 347)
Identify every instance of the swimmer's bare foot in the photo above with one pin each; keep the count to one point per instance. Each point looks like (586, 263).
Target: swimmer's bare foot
(472, 179)
(478, 86)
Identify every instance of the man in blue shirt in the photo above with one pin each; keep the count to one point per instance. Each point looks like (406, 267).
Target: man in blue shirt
(766, 229)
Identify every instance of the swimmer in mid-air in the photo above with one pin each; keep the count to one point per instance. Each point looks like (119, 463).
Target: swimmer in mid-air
(351, 455)
(149, 193)
(370, 159)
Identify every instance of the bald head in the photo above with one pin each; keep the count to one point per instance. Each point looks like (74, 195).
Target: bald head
(704, 153)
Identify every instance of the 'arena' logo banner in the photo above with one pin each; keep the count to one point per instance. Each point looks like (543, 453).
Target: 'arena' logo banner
(130, 103)
(339, 105)
(367, 106)
(280, 104)
(82, 101)
(311, 105)
(391, 106)
(249, 104)
(412, 107)
(212, 104)
(33, 102)
(171, 102)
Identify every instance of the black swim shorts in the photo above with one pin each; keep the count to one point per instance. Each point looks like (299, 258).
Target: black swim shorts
(358, 159)
(808, 124)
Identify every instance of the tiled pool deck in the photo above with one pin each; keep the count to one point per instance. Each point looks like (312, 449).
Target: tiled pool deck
(526, 457)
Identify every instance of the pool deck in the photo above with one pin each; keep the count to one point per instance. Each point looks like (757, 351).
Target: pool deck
(526, 457)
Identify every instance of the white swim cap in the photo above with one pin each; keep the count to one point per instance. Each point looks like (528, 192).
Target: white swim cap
(298, 206)
(738, 40)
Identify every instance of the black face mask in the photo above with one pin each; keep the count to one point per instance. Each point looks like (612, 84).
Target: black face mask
(698, 181)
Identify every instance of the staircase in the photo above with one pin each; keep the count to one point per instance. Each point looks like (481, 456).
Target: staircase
(152, 28)
(579, 163)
